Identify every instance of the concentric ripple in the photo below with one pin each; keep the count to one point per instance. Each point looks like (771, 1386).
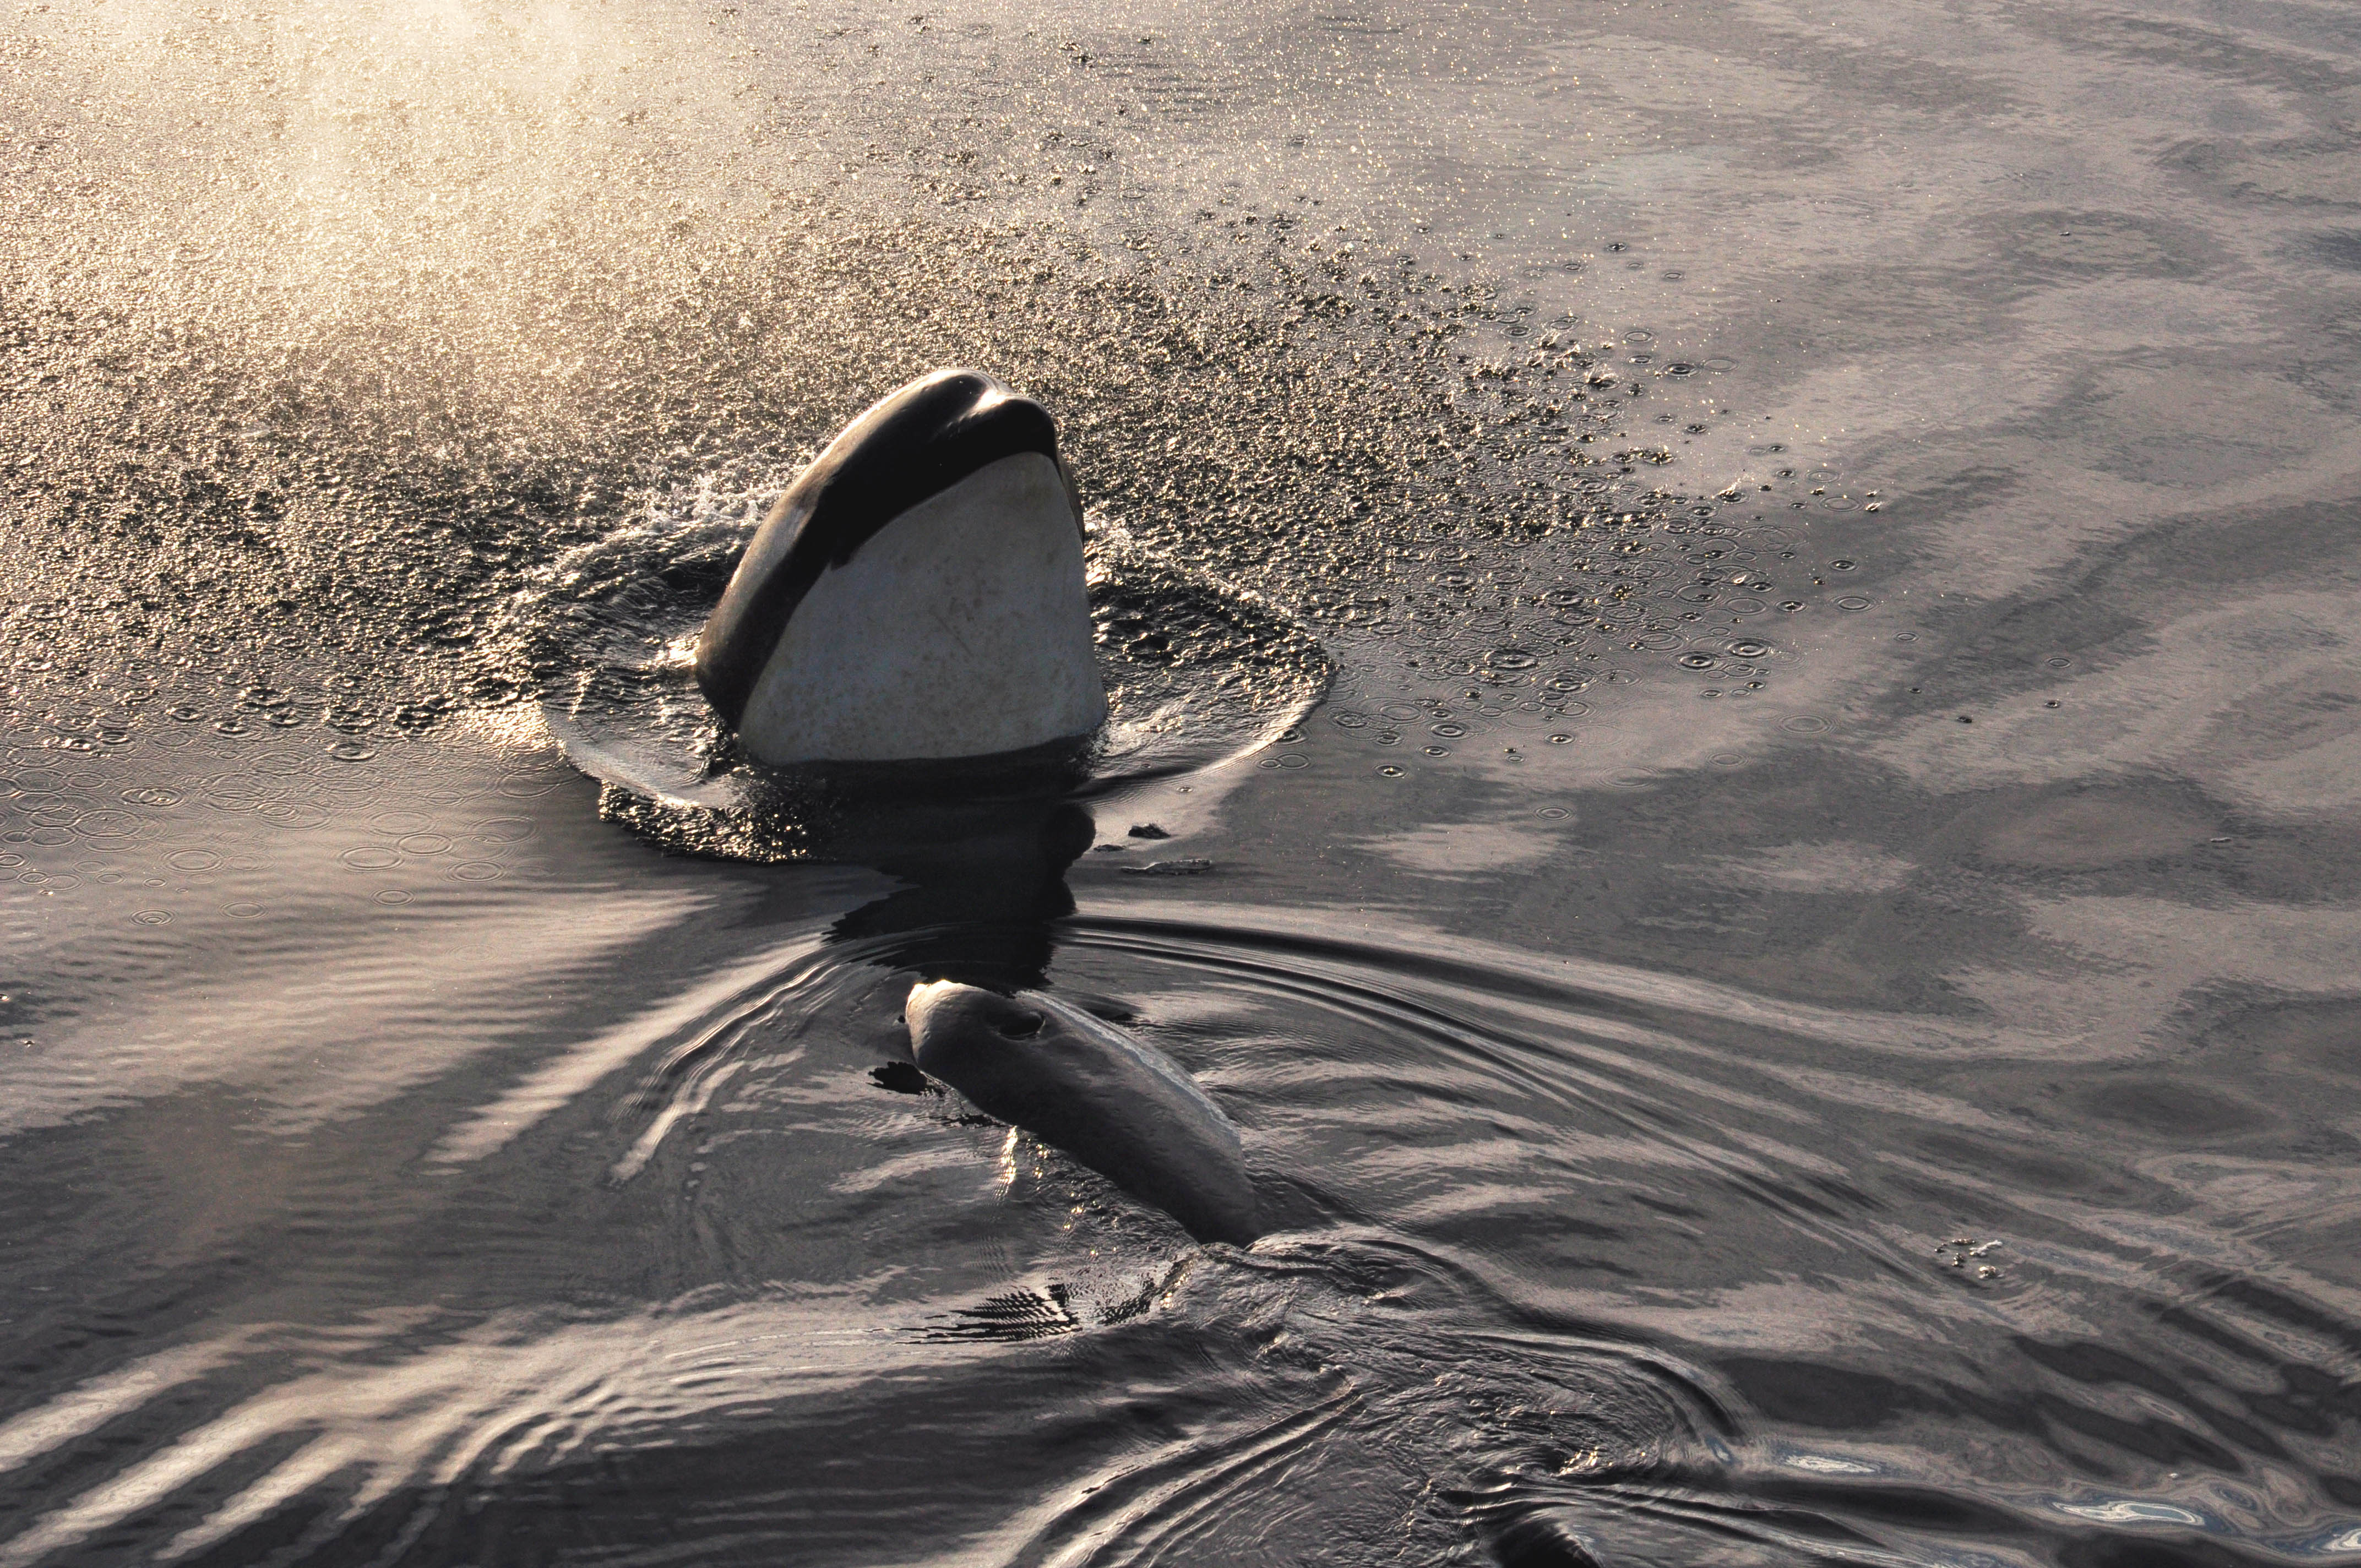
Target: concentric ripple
(874, 1317)
(1198, 673)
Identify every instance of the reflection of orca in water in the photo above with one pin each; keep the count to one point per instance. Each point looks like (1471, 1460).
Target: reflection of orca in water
(983, 884)
(1079, 1083)
(916, 595)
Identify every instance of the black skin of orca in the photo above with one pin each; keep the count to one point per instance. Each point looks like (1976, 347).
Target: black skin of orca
(908, 446)
(1028, 1068)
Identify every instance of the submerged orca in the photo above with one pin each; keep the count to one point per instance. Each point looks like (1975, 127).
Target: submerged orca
(916, 595)
(1080, 1084)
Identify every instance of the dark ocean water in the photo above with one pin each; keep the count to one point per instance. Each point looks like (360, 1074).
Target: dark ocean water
(1741, 619)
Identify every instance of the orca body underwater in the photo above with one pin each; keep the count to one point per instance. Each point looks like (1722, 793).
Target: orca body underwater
(916, 595)
(1080, 1084)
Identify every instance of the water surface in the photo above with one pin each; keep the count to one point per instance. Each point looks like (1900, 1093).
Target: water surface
(1749, 610)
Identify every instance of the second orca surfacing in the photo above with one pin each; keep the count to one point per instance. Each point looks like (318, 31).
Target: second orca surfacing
(1082, 1085)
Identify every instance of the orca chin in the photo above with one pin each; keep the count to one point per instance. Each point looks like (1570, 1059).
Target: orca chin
(916, 596)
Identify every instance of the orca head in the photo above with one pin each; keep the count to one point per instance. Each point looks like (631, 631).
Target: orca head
(916, 595)
(954, 1026)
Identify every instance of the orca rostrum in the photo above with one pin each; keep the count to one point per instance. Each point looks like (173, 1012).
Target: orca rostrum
(1079, 1083)
(916, 595)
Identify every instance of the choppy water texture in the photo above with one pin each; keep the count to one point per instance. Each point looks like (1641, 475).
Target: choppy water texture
(1737, 623)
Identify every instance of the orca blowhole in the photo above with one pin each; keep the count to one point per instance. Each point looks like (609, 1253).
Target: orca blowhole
(917, 596)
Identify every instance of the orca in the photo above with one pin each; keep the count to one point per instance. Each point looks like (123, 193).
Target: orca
(1080, 1084)
(916, 595)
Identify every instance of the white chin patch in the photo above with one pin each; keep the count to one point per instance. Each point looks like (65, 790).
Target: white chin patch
(961, 629)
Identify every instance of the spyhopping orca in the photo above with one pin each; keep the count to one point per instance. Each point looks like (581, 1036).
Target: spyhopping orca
(916, 595)
(1079, 1083)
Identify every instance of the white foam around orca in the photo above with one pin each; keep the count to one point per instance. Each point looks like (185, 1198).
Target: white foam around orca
(1079, 1083)
(916, 595)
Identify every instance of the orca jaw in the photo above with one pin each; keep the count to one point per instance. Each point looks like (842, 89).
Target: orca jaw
(916, 596)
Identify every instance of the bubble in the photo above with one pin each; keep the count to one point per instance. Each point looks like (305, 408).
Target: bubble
(370, 858)
(192, 861)
(1842, 566)
(1561, 738)
(241, 911)
(475, 871)
(1853, 601)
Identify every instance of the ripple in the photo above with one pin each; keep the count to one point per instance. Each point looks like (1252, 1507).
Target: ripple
(1198, 673)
